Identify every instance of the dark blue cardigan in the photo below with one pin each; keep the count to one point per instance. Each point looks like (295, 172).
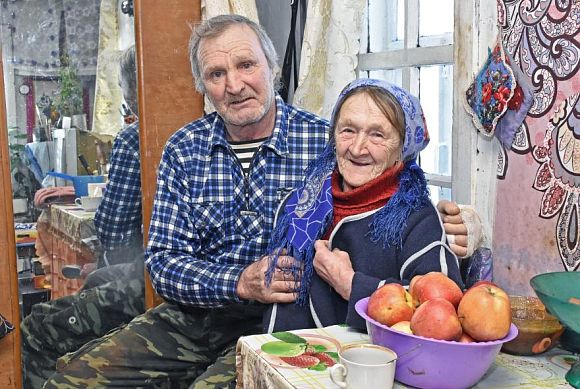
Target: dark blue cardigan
(374, 265)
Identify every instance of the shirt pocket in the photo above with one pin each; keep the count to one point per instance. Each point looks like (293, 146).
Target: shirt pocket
(250, 224)
(210, 223)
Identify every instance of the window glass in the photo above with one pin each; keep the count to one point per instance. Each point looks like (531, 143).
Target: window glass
(394, 76)
(407, 27)
(439, 193)
(435, 22)
(436, 95)
(386, 24)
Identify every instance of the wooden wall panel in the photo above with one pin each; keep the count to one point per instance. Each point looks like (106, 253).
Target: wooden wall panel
(10, 376)
(167, 97)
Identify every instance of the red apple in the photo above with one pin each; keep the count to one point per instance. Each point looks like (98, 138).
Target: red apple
(465, 338)
(403, 326)
(482, 282)
(390, 304)
(485, 313)
(436, 318)
(413, 282)
(436, 285)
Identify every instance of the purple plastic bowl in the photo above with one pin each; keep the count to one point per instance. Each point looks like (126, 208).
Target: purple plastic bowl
(431, 363)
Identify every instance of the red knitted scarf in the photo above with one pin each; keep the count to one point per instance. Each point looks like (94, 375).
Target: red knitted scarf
(370, 196)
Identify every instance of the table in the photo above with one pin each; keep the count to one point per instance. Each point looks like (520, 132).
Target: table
(66, 235)
(257, 369)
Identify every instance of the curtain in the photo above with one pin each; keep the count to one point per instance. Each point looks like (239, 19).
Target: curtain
(32, 33)
(211, 8)
(108, 96)
(329, 52)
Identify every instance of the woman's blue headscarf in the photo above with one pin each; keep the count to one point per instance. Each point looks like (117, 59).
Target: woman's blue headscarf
(308, 211)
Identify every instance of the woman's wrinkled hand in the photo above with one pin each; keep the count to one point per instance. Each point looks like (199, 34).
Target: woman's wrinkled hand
(334, 267)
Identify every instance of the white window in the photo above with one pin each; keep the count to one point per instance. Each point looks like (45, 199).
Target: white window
(415, 44)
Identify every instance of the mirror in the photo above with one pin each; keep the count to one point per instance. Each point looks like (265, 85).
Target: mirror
(64, 107)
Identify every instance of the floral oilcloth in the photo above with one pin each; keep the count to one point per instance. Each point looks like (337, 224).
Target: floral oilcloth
(488, 95)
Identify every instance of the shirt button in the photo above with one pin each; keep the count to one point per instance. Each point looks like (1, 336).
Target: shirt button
(72, 320)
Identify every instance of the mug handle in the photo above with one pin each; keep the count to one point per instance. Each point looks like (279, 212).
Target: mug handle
(341, 370)
(79, 202)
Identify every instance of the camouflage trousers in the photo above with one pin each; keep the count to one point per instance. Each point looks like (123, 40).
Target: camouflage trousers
(166, 347)
(110, 297)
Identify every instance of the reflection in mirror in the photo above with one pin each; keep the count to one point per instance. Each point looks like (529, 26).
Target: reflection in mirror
(64, 109)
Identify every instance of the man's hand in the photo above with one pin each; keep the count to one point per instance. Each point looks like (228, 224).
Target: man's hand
(88, 268)
(454, 227)
(334, 267)
(283, 287)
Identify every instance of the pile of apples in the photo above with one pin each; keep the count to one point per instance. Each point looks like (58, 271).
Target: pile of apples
(435, 307)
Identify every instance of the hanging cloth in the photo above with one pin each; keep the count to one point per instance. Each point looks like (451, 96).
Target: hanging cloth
(291, 65)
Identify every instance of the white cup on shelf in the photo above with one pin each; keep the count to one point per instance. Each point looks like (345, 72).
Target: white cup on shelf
(88, 203)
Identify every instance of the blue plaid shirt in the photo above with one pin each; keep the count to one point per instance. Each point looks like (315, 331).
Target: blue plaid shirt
(210, 222)
(118, 219)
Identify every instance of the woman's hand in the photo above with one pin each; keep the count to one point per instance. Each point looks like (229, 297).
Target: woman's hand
(334, 267)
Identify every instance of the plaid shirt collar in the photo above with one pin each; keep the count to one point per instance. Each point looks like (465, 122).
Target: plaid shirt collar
(277, 142)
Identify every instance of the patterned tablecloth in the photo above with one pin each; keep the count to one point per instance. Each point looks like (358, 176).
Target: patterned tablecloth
(258, 369)
(70, 220)
(66, 236)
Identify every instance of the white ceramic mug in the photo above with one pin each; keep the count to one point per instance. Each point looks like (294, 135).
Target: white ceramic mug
(88, 203)
(364, 366)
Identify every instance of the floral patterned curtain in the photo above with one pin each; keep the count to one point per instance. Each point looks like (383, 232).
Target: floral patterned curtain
(329, 52)
(211, 8)
(108, 96)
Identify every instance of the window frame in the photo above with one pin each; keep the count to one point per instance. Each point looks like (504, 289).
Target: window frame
(473, 159)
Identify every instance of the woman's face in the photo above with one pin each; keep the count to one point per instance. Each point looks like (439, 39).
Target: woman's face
(366, 141)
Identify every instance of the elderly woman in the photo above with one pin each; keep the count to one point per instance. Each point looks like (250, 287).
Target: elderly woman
(363, 216)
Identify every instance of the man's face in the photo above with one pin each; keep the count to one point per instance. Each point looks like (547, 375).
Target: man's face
(236, 76)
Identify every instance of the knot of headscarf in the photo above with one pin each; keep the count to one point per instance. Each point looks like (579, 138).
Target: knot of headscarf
(308, 211)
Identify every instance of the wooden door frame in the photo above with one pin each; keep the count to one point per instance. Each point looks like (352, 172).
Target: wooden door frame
(167, 96)
(10, 373)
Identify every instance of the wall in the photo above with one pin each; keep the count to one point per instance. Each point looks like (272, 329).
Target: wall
(536, 228)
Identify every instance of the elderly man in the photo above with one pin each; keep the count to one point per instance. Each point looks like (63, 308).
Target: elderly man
(220, 181)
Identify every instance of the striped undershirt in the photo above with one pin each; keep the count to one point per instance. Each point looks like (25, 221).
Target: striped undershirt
(245, 151)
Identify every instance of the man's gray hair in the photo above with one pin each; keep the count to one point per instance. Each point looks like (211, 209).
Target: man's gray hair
(128, 77)
(217, 25)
